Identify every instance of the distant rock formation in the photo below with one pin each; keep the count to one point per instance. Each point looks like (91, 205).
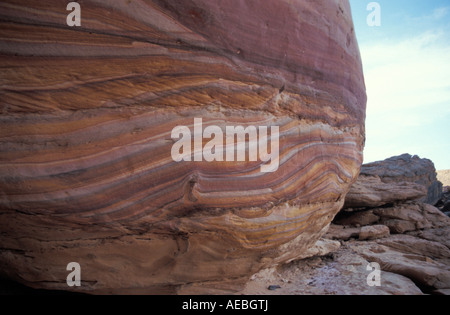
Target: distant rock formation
(371, 191)
(399, 174)
(444, 177)
(408, 237)
(86, 173)
(388, 228)
(415, 245)
(444, 203)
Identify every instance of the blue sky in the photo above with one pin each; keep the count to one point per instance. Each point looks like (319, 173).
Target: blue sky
(407, 72)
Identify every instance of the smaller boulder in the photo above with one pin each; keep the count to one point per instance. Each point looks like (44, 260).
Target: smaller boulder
(411, 216)
(374, 232)
(408, 168)
(371, 192)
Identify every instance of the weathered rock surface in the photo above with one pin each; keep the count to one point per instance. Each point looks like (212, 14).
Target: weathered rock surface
(444, 203)
(322, 247)
(340, 232)
(407, 168)
(411, 216)
(444, 177)
(411, 264)
(374, 232)
(418, 247)
(370, 192)
(409, 240)
(343, 273)
(401, 218)
(86, 173)
(427, 273)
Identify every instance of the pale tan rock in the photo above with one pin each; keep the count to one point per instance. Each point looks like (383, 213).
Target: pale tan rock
(400, 218)
(370, 192)
(425, 272)
(407, 168)
(399, 226)
(346, 274)
(322, 247)
(409, 244)
(373, 232)
(444, 177)
(442, 292)
(439, 235)
(360, 218)
(338, 232)
(411, 216)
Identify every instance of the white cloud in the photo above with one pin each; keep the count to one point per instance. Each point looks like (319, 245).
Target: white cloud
(408, 87)
(408, 74)
(440, 13)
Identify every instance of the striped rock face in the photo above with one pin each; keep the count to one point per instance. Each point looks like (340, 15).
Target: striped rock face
(89, 122)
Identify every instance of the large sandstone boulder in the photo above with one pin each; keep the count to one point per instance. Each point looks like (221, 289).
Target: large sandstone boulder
(88, 114)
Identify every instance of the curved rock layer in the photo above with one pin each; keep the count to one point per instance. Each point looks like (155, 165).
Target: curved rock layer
(86, 172)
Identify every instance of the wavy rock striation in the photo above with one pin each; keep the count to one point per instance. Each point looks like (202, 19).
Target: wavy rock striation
(86, 173)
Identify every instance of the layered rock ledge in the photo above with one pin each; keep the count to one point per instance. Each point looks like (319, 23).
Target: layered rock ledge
(407, 239)
(86, 173)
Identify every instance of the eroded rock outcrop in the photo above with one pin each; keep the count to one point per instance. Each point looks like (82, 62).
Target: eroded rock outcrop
(86, 173)
(399, 170)
(415, 242)
(408, 240)
(413, 263)
(444, 203)
(371, 191)
(401, 218)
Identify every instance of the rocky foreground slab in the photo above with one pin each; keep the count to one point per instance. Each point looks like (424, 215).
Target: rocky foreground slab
(408, 239)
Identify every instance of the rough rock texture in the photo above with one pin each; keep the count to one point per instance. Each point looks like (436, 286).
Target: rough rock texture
(411, 264)
(374, 232)
(444, 177)
(401, 218)
(409, 240)
(322, 247)
(370, 191)
(418, 247)
(425, 272)
(342, 273)
(86, 173)
(444, 203)
(407, 168)
(413, 216)
(341, 232)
